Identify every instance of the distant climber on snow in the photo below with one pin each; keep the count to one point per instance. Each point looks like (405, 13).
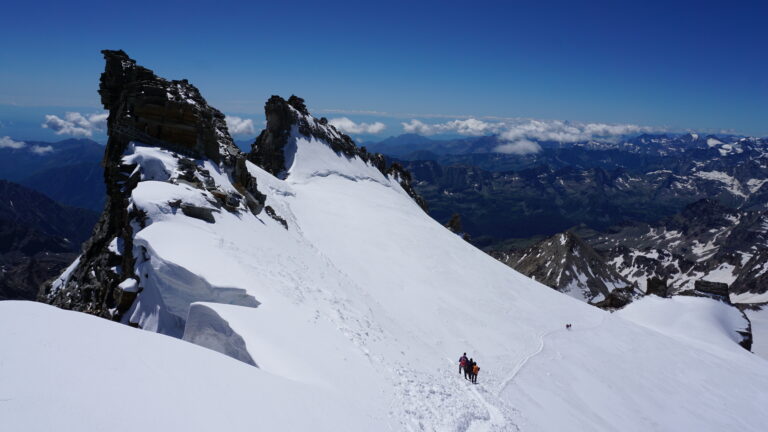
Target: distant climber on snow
(468, 369)
(568, 326)
(463, 363)
(475, 370)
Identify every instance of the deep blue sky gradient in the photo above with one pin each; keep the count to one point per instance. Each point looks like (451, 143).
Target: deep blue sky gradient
(685, 65)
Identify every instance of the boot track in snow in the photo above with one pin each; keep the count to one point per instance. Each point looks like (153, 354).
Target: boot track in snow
(538, 351)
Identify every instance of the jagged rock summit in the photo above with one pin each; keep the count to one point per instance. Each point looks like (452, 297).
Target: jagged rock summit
(153, 110)
(273, 149)
(171, 115)
(164, 131)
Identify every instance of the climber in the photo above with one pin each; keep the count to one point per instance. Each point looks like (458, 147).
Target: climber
(475, 370)
(468, 369)
(462, 363)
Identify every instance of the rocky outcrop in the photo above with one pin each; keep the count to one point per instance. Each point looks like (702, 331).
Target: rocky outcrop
(171, 115)
(566, 263)
(455, 226)
(656, 286)
(746, 337)
(754, 277)
(268, 151)
(706, 242)
(713, 290)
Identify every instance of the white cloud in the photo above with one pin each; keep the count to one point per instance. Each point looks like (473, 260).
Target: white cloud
(470, 126)
(7, 142)
(76, 124)
(418, 127)
(520, 134)
(41, 149)
(240, 126)
(348, 126)
(519, 147)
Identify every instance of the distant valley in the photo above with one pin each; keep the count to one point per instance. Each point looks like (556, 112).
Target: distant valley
(599, 220)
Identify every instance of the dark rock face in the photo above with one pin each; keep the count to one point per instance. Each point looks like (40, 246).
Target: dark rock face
(454, 225)
(706, 241)
(404, 177)
(566, 263)
(271, 213)
(754, 277)
(196, 212)
(168, 114)
(746, 335)
(656, 286)
(618, 298)
(268, 151)
(153, 110)
(713, 290)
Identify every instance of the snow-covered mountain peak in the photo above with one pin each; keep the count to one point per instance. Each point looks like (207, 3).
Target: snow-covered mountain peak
(296, 144)
(344, 287)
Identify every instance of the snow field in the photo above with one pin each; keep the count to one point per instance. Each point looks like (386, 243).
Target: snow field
(365, 304)
(68, 371)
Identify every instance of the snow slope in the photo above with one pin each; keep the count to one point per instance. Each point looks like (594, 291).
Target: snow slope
(364, 297)
(693, 319)
(67, 371)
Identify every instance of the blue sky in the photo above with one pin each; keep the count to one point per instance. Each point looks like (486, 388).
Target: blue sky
(670, 65)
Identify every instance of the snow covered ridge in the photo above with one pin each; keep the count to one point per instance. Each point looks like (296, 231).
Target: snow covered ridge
(345, 292)
(149, 111)
(273, 148)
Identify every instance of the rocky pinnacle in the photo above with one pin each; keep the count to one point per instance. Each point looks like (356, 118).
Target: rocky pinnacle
(268, 151)
(151, 110)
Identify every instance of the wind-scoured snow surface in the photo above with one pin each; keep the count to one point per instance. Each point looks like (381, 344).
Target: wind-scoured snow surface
(695, 319)
(363, 304)
(68, 371)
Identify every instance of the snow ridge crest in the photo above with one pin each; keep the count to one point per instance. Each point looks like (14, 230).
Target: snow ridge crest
(272, 150)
